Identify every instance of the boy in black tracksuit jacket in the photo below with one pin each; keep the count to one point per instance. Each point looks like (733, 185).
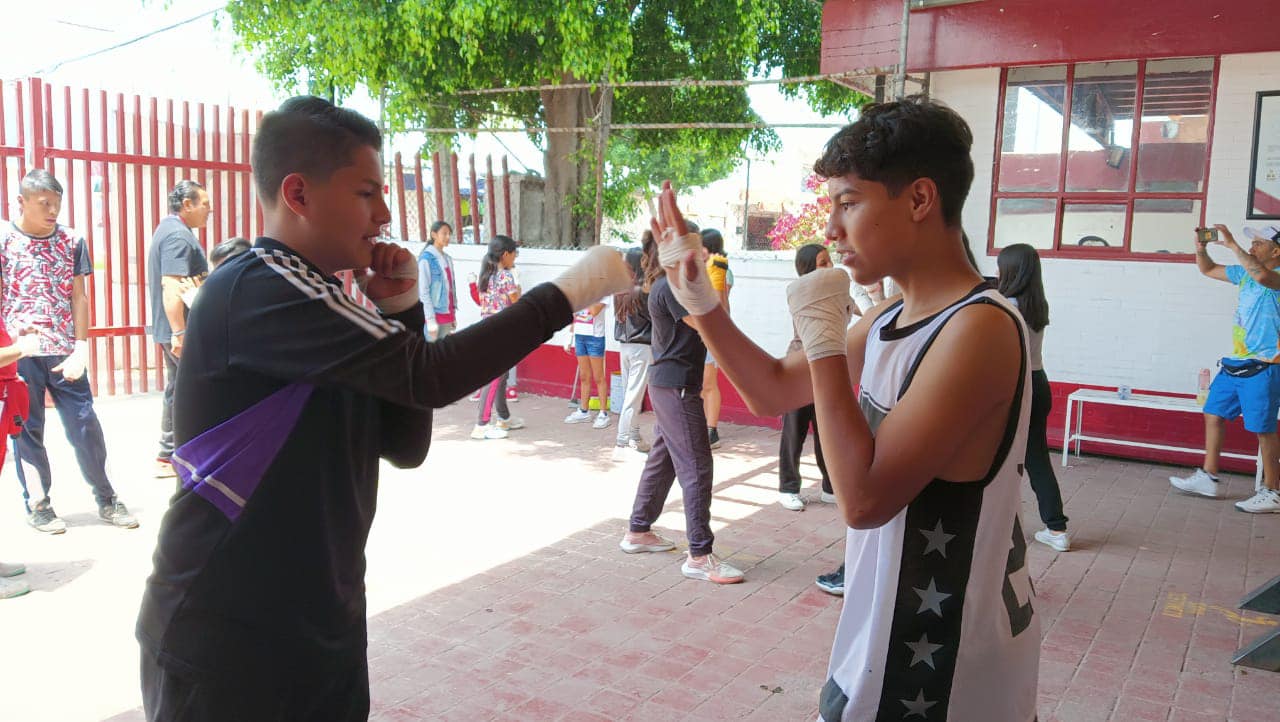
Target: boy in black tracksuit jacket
(289, 394)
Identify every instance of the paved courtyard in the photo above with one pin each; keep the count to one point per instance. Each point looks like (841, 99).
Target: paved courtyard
(496, 589)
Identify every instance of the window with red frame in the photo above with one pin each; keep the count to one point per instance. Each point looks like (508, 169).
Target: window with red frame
(1078, 187)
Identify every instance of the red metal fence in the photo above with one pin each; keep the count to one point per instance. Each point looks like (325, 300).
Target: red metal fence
(117, 157)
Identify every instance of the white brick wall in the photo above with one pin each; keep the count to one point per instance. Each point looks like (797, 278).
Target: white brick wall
(1146, 325)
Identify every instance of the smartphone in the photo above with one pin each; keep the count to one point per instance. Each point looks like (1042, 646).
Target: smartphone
(1207, 235)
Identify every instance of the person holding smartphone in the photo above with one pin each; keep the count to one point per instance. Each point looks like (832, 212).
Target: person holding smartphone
(1249, 383)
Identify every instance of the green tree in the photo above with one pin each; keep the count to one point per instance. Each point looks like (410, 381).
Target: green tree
(418, 54)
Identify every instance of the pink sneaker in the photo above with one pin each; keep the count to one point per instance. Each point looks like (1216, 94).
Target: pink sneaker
(654, 543)
(512, 396)
(711, 569)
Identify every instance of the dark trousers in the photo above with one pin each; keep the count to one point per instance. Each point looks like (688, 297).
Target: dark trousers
(795, 427)
(74, 402)
(493, 397)
(1039, 468)
(169, 697)
(681, 449)
(166, 408)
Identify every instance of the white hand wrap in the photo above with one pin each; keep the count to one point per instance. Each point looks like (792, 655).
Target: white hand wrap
(600, 272)
(821, 308)
(28, 344)
(697, 296)
(403, 301)
(73, 366)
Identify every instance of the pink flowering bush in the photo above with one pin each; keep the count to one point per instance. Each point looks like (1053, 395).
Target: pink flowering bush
(808, 223)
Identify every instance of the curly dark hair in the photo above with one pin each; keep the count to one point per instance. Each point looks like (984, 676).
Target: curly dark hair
(898, 142)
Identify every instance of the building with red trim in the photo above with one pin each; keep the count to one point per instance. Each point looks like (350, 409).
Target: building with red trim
(1158, 140)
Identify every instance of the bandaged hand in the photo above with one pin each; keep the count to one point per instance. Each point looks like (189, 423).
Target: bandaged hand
(72, 367)
(821, 308)
(391, 280)
(689, 281)
(600, 272)
(28, 344)
(718, 271)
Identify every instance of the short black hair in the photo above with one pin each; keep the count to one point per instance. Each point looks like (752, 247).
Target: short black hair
(228, 249)
(899, 142)
(185, 190)
(307, 135)
(690, 226)
(712, 241)
(39, 180)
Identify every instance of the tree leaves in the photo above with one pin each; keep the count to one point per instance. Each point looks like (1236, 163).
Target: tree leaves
(422, 52)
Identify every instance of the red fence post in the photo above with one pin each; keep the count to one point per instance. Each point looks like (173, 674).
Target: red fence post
(437, 189)
(473, 208)
(35, 88)
(506, 196)
(488, 196)
(399, 186)
(422, 191)
(457, 196)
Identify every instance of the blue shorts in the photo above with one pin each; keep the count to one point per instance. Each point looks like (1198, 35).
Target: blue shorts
(584, 345)
(1256, 398)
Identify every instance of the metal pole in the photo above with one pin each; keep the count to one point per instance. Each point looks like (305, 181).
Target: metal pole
(900, 75)
(746, 209)
(602, 142)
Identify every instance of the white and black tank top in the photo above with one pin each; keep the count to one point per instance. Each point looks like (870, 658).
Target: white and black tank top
(938, 621)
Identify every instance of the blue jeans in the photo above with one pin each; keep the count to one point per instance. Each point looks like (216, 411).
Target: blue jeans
(74, 402)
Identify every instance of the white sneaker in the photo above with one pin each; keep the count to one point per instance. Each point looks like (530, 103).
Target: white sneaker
(602, 420)
(711, 569)
(511, 424)
(791, 501)
(10, 588)
(1198, 483)
(488, 431)
(663, 545)
(11, 570)
(1057, 542)
(1266, 501)
(827, 498)
(578, 416)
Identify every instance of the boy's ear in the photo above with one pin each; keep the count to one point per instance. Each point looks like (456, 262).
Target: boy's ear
(923, 193)
(293, 193)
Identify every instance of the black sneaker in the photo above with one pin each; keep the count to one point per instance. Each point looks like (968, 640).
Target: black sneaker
(714, 435)
(44, 519)
(116, 514)
(832, 583)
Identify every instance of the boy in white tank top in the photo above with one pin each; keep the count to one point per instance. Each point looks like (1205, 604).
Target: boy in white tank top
(939, 622)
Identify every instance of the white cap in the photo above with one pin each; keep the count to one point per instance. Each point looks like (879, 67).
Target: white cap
(1263, 233)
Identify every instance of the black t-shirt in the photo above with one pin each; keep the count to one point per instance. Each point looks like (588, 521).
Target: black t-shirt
(174, 252)
(277, 590)
(678, 351)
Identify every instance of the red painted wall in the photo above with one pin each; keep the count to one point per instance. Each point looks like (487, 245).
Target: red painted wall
(859, 34)
(549, 371)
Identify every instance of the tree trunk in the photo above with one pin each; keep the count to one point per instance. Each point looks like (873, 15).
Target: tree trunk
(567, 167)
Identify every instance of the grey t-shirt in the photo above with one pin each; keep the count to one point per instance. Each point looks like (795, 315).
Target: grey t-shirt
(174, 252)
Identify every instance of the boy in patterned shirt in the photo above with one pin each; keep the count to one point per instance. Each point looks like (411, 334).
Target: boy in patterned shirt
(43, 265)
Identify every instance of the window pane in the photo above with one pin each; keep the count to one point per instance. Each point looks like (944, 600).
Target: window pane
(1025, 220)
(1088, 225)
(1031, 149)
(1164, 226)
(1174, 136)
(1101, 132)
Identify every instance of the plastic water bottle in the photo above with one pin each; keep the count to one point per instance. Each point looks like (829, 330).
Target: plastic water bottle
(1202, 388)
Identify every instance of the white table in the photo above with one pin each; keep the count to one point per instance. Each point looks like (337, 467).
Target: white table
(1080, 397)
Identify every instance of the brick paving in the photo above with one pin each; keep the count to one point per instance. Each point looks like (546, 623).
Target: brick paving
(497, 590)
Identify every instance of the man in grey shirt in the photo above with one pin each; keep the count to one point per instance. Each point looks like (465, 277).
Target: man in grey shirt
(176, 266)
